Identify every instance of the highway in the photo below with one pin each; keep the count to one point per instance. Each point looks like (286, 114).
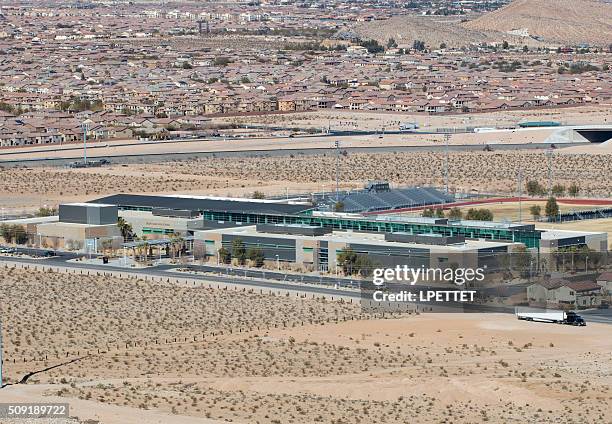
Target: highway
(172, 151)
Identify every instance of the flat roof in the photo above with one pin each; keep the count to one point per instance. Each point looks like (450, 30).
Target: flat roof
(203, 204)
(90, 205)
(33, 220)
(552, 234)
(355, 238)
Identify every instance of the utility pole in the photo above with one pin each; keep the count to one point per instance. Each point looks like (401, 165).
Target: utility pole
(337, 145)
(85, 126)
(446, 140)
(1, 357)
(520, 193)
(549, 157)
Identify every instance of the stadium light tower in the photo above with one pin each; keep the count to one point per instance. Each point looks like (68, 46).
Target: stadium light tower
(520, 193)
(446, 140)
(1, 357)
(549, 157)
(85, 126)
(337, 145)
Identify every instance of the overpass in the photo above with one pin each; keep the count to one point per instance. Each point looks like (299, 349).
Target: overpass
(581, 134)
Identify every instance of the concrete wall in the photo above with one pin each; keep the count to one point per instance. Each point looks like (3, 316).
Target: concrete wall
(88, 214)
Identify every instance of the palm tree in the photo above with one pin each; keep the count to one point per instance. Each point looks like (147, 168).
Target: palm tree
(144, 246)
(126, 229)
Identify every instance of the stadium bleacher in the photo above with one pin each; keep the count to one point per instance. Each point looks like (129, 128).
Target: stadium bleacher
(390, 199)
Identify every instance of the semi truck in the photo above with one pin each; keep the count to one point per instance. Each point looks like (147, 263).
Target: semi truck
(552, 316)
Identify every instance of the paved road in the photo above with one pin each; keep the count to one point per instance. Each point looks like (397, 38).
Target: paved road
(603, 316)
(169, 156)
(164, 271)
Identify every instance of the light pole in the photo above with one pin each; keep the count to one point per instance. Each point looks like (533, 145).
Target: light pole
(1, 357)
(85, 126)
(278, 262)
(446, 140)
(337, 145)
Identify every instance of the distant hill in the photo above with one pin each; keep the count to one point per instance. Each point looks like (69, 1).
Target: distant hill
(434, 30)
(530, 22)
(569, 22)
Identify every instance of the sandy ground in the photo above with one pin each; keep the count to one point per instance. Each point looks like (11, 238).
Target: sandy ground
(427, 368)
(489, 172)
(375, 121)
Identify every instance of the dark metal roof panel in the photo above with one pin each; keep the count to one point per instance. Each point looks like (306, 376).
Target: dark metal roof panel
(145, 201)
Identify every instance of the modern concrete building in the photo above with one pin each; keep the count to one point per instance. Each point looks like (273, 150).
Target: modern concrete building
(81, 226)
(553, 240)
(317, 248)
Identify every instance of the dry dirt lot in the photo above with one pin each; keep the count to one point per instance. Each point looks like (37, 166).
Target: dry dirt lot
(469, 171)
(428, 368)
(348, 119)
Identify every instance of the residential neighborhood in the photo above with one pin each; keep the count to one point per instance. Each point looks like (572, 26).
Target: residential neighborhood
(126, 69)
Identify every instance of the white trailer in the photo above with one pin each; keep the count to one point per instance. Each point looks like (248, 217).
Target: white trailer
(552, 316)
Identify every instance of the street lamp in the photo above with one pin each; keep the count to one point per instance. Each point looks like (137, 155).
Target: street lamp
(278, 262)
(85, 126)
(1, 358)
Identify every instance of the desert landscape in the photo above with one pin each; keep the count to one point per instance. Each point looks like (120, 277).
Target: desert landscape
(31, 188)
(551, 21)
(295, 359)
(274, 175)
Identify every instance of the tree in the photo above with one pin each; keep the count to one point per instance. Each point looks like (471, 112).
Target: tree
(354, 263)
(126, 229)
(5, 231)
(552, 208)
(238, 251)
(15, 233)
(222, 61)
(558, 190)
(428, 213)
(418, 45)
(176, 240)
(338, 206)
(455, 213)
(256, 255)
(535, 211)
(534, 188)
(258, 195)
(364, 265)
(225, 257)
(479, 215)
(346, 259)
(391, 43)
(505, 45)
(573, 190)
(442, 46)
(521, 259)
(372, 46)
(525, 49)
(439, 213)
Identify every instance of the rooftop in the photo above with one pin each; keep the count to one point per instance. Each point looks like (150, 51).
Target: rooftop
(195, 203)
(357, 238)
